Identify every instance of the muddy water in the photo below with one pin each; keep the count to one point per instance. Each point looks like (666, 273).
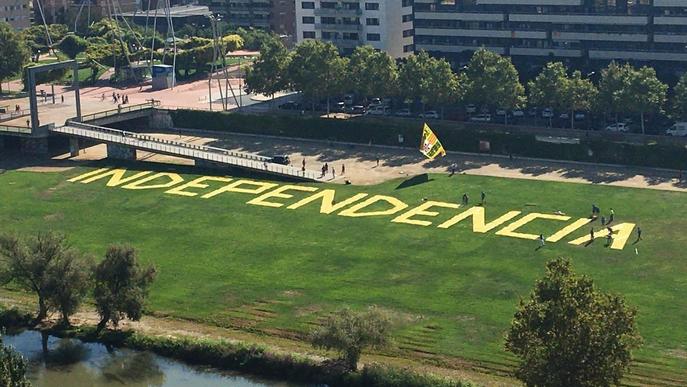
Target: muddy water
(72, 363)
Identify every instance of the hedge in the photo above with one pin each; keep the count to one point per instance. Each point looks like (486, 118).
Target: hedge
(454, 136)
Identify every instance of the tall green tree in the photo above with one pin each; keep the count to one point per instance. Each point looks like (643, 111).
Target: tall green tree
(547, 89)
(30, 262)
(647, 94)
(350, 333)
(570, 334)
(679, 105)
(12, 368)
(121, 286)
(414, 75)
(430, 80)
(317, 70)
(373, 73)
(268, 75)
(614, 89)
(13, 53)
(578, 94)
(69, 281)
(492, 80)
(73, 45)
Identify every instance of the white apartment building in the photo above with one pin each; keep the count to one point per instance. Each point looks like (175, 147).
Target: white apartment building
(386, 25)
(16, 13)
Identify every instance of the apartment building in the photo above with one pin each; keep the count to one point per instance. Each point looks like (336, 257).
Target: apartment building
(572, 30)
(383, 24)
(87, 11)
(16, 13)
(275, 15)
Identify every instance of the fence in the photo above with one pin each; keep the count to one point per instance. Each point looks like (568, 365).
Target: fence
(15, 129)
(182, 149)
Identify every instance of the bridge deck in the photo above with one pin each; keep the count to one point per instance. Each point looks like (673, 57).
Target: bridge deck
(181, 149)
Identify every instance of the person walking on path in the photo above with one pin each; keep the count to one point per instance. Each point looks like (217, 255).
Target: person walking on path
(377, 161)
(343, 169)
(303, 163)
(591, 234)
(333, 173)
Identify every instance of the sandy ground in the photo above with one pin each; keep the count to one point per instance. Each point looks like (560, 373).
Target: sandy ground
(364, 165)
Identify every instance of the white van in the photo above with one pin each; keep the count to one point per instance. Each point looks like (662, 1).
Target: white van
(678, 129)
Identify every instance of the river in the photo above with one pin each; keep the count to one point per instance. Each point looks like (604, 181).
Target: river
(72, 363)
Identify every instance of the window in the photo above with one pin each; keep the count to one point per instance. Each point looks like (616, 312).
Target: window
(407, 18)
(408, 48)
(328, 20)
(372, 6)
(327, 5)
(372, 21)
(373, 37)
(308, 20)
(407, 33)
(308, 34)
(308, 5)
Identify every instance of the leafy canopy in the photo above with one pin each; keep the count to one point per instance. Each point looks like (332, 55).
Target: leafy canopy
(570, 334)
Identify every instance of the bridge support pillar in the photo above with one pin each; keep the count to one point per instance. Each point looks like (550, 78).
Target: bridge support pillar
(34, 145)
(2, 142)
(74, 148)
(120, 152)
(160, 119)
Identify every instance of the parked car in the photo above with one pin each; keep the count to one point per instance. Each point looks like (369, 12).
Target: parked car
(403, 113)
(470, 108)
(618, 127)
(500, 112)
(579, 116)
(564, 116)
(547, 113)
(280, 159)
(338, 107)
(378, 110)
(532, 112)
(431, 114)
(375, 102)
(518, 113)
(481, 118)
(348, 99)
(678, 129)
(357, 109)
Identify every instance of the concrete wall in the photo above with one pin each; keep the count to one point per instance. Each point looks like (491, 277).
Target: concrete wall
(120, 152)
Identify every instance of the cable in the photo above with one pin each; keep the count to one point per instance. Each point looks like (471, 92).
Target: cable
(47, 30)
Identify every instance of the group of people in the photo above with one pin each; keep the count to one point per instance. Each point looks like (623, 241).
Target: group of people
(465, 200)
(326, 169)
(116, 98)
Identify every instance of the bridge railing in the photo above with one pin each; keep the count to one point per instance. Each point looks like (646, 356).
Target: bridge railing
(15, 129)
(182, 149)
(119, 110)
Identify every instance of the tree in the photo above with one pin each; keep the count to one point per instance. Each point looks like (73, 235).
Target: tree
(69, 280)
(268, 74)
(121, 286)
(570, 334)
(414, 75)
(614, 89)
(73, 45)
(30, 263)
(317, 70)
(679, 105)
(578, 95)
(349, 333)
(13, 53)
(373, 73)
(429, 79)
(647, 94)
(547, 89)
(12, 368)
(492, 80)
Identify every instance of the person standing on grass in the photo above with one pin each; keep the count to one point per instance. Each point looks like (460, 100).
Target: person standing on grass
(603, 220)
(541, 241)
(639, 233)
(591, 234)
(610, 218)
(466, 199)
(483, 196)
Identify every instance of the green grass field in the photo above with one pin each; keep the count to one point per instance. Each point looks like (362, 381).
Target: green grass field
(453, 292)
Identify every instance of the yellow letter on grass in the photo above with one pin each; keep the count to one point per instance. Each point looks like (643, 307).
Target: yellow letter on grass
(509, 230)
(478, 219)
(173, 178)
(197, 183)
(87, 174)
(421, 210)
(622, 233)
(116, 177)
(567, 230)
(279, 193)
(236, 187)
(354, 212)
(327, 206)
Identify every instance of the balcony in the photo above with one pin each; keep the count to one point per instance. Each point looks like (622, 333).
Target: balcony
(339, 12)
(339, 27)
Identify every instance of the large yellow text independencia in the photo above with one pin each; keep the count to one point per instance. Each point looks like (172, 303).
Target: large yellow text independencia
(356, 206)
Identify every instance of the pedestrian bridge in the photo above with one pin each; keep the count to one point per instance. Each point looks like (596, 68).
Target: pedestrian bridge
(124, 144)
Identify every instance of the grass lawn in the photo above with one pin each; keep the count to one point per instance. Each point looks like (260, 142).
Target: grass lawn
(453, 292)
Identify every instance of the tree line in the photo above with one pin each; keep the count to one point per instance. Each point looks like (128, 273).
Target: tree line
(489, 80)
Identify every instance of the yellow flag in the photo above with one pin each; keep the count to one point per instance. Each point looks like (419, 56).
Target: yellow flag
(430, 145)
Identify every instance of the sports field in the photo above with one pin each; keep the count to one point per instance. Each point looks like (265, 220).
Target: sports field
(452, 290)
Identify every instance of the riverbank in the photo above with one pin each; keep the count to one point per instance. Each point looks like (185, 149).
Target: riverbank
(265, 357)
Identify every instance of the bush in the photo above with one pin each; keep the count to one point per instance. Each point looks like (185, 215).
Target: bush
(454, 136)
